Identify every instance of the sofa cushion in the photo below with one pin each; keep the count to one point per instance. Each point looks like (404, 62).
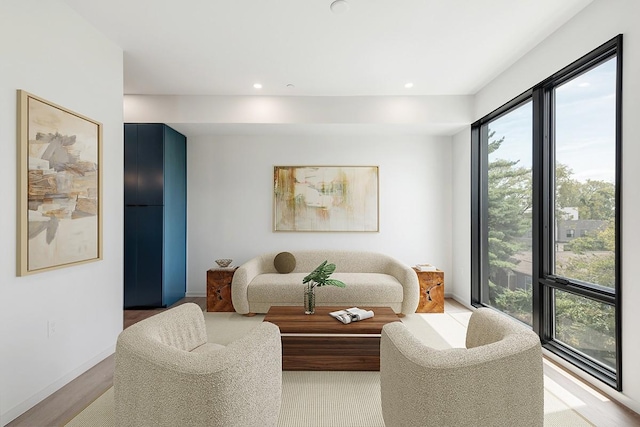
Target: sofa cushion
(284, 262)
(362, 288)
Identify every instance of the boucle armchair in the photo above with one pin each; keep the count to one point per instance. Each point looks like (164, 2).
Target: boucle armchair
(167, 374)
(496, 381)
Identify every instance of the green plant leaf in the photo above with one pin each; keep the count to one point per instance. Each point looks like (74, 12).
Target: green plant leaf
(320, 276)
(315, 274)
(334, 282)
(329, 269)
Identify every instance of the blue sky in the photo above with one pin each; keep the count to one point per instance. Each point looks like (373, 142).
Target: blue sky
(585, 126)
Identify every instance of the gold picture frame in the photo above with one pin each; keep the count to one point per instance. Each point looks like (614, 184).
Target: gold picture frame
(326, 198)
(59, 186)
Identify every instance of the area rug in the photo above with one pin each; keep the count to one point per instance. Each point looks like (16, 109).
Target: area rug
(321, 399)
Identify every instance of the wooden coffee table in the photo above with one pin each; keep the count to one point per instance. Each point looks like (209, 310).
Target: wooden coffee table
(319, 342)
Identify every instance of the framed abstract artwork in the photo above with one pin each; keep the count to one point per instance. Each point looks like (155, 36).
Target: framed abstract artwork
(59, 186)
(325, 198)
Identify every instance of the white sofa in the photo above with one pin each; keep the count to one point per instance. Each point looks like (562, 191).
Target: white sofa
(372, 279)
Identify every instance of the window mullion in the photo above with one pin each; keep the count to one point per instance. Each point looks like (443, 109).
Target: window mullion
(538, 223)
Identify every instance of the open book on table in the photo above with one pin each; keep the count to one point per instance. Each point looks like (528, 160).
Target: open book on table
(352, 314)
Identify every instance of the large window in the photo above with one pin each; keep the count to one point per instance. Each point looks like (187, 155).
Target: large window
(507, 142)
(545, 211)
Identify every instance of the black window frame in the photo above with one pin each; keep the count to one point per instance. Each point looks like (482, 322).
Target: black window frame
(543, 193)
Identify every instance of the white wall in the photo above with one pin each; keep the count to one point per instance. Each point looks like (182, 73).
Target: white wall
(460, 283)
(596, 24)
(46, 49)
(230, 180)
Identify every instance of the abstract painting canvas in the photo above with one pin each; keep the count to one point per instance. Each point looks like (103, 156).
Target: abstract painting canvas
(59, 219)
(325, 198)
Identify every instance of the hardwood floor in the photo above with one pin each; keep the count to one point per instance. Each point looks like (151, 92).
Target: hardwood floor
(62, 406)
(600, 413)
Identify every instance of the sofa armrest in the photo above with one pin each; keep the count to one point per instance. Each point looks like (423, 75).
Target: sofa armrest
(410, 284)
(244, 275)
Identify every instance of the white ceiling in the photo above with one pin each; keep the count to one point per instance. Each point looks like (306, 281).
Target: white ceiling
(214, 47)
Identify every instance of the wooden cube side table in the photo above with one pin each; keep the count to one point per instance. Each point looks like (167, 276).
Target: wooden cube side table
(431, 291)
(219, 289)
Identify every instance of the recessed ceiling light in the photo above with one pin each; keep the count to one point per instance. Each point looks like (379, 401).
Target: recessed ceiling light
(408, 85)
(257, 86)
(339, 6)
(291, 86)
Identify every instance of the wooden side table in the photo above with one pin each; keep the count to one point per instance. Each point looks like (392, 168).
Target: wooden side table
(219, 289)
(431, 291)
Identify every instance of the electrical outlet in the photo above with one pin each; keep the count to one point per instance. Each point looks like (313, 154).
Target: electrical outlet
(51, 328)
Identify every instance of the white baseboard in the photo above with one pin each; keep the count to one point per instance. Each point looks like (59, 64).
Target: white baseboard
(460, 301)
(23, 407)
(195, 295)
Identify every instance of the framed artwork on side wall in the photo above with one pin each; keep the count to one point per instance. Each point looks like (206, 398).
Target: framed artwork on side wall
(59, 186)
(325, 198)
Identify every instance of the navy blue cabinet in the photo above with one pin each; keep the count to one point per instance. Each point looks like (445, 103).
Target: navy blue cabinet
(155, 216)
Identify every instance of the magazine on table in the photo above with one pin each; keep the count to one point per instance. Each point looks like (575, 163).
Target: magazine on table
(353, 314)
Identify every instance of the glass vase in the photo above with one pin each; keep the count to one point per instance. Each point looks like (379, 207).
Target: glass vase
(309, 300)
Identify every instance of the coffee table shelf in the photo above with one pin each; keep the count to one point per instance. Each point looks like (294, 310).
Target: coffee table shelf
(320, 342)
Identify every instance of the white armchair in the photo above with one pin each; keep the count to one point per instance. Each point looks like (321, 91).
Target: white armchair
(496, 381)
(168, 375)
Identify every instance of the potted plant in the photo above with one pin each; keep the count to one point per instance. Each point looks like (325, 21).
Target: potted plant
(318, 277)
